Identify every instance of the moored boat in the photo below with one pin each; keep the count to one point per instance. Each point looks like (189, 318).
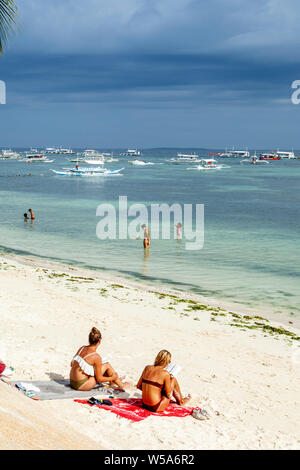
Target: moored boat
(9, 154)
(86, 171)
(208, 164)
(131, 153)
(269, 156)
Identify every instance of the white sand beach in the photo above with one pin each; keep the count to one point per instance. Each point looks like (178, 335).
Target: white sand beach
(242, 372)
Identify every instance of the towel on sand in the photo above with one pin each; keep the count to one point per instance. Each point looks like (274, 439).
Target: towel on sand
(132, 409)
(59, 389)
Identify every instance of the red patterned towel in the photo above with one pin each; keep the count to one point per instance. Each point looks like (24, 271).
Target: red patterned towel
(132, 409)
(2, 367)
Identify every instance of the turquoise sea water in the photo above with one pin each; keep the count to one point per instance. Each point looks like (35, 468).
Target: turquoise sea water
(251, 253)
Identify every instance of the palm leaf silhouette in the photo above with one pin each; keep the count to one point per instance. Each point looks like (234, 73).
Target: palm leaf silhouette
(8, 11)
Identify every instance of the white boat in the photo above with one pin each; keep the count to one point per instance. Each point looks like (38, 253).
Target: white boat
(208, 164)
(86, 169)
(91, 153)
(87, 172)
(239, 154)
(9, 154)
(94, 161)
(77, 159)
(254, 160)
(289, 155)
(92, 157)
(35, 157)
(51, 150)
(186, 158)
(58, 151)
(269, 156)
(132, 153)
(68, 151)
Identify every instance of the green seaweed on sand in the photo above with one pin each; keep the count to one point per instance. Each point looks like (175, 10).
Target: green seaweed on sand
(255, 317)
(57, 275)
(80, 278)
(206, 308)
(272, 330)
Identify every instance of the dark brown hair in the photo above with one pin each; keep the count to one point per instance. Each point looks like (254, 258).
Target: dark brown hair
(94, 336)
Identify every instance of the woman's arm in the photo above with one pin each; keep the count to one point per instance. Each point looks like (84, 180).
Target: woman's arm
(139, 384)
(167, 385)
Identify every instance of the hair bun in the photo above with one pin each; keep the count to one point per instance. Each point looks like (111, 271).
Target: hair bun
(94, 335)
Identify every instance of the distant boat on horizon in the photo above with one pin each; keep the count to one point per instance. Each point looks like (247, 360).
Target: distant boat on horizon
(131, 153)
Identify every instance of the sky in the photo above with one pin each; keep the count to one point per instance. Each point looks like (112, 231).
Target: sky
(152, 73)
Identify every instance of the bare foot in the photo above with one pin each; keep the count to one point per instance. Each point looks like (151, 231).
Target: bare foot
(127, 385)
(186, 399)
(122, 386)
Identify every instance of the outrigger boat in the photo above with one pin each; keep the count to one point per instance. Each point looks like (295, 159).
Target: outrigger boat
(86, 171)
(254, 160)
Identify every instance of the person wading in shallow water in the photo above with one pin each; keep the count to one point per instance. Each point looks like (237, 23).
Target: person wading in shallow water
(26, 216)
(31, 214)
(178, 230)
(146, 236)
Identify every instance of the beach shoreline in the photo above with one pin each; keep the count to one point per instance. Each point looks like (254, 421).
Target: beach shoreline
(237, 307)
(244, 370)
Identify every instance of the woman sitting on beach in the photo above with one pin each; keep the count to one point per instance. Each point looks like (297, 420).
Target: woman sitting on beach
(87, 368)
(158, 386)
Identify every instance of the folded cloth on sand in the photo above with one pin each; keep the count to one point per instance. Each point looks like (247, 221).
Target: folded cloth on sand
(27, 387)
(132, 409)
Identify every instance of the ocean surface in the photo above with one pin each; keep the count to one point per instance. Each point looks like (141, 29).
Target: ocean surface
(251, 253)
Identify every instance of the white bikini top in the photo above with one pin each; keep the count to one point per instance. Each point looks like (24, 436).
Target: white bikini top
(87, 368)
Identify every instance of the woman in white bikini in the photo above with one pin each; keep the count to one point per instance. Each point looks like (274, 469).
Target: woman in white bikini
(87, 368)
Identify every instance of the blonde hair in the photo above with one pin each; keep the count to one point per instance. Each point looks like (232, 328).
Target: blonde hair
(163, 358)
(94, 336)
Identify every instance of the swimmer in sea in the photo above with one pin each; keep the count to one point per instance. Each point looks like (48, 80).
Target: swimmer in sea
(31, 214)
(26, 216)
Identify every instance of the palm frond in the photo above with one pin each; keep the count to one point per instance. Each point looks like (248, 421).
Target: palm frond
(8, 12)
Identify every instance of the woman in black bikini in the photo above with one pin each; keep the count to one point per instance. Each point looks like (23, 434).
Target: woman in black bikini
(158, 386)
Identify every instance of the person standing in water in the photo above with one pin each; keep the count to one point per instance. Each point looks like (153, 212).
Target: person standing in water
(26, 216)
(178, 230)
(31, 214)
(146, 236)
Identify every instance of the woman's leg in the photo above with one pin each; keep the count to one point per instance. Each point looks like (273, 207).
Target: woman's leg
(107, 370)
(177, 393)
